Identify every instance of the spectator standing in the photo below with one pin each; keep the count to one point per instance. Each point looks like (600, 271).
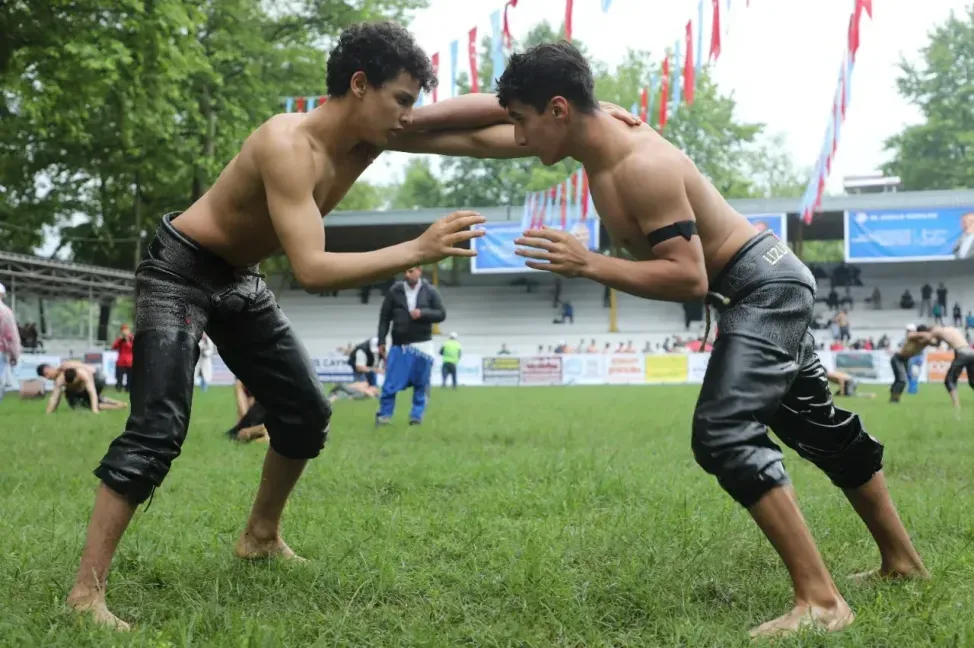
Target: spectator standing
(123, 364)
(410, 309)
(926, 308)
(451, 352)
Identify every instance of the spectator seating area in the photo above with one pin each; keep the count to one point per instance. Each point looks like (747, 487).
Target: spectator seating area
(488, 311)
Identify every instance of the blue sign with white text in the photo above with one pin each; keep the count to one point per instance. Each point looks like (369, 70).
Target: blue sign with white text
(940, 234)
(495, 249)
(777, 223)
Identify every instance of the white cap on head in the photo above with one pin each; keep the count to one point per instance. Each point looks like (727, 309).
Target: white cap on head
(374, 344)
(911, 328)
(453, 336)
(3, 289)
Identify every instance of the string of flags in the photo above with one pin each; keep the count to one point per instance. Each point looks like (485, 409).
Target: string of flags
(812, 198)
(569, 202)
(501, 44)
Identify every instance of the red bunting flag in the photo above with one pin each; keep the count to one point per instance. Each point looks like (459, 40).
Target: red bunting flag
(322, 100)
(511, 4)
(299, 104)
(584, 194)
(715, 33)
(867, 5)
(568, 20)
(689, 79)
(549, 216)
(853, 35)
(644, 104)
(435, 62)
(472, 54)
(664, 93)
(574, 195)
(564, 204)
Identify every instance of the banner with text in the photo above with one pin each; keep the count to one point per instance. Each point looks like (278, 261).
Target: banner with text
(624, 368)
(669, 368)
(469, 370)
(583, 369)
(884, 235)
(502, 370)
(777, 223)
(866, 366)
(541, 370)
(495, 249)
(938, 362)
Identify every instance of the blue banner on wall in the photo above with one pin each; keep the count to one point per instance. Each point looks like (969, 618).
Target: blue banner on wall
(909, 235)
(495, 249)
(777, 223)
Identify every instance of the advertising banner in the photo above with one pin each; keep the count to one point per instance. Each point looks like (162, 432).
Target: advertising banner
(867, 366)
(777, 223)
(669, 368)
(583, 369)
(884, 235)
(26, 369)
(469, 370)
(495, 249)
(697, 367)
(624, 368)
(502, 370)
(541, 370)
(330, 369)
(938, 362)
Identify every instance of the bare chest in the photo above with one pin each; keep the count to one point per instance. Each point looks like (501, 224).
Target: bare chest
(337, 178)
(621, 224)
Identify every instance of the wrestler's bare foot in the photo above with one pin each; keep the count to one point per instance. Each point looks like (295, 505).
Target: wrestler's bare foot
(906, 571)
(83, 601)
(807, 616)
(252, 547)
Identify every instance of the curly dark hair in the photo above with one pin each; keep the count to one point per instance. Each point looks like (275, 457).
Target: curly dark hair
(382, 50)
(545, 71)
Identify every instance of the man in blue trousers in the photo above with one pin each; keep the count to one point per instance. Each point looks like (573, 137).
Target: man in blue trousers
(411, 307)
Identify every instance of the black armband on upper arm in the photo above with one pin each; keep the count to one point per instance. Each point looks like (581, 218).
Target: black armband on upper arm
(686, 229)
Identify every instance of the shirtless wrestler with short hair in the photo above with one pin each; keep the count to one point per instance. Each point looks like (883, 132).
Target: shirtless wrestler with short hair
(200, 274)
(963, 359)
(687, 241)
(917, 339)
(80, 385)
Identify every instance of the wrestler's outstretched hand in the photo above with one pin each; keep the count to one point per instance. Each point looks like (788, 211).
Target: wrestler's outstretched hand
(561, 252)
(442, 237)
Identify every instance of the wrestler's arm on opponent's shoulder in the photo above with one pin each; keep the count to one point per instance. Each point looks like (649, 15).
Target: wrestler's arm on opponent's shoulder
(490, 142)
(469, 111)
(653, 192)
(287, 168)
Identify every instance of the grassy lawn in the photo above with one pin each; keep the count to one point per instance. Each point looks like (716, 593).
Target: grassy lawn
(571, 516)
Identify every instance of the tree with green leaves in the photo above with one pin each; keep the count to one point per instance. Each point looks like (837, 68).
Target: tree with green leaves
(938, 153)
(113, 113)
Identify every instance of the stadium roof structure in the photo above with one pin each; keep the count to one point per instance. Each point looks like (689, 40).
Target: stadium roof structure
(361, 231)
(889, 200)
(26, 275)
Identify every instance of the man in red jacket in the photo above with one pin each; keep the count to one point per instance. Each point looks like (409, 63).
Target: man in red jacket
(123, 366)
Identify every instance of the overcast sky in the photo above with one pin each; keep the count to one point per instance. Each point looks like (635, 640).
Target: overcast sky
(780, 59)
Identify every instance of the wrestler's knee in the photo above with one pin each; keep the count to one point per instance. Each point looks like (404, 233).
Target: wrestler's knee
(746, 463)
(139, 460)
(302, 434)
(855, 456)
(950, 383)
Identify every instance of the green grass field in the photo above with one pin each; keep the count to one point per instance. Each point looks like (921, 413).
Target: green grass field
(570, 516)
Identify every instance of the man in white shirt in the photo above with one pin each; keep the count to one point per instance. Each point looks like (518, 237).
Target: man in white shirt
(411, 307)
